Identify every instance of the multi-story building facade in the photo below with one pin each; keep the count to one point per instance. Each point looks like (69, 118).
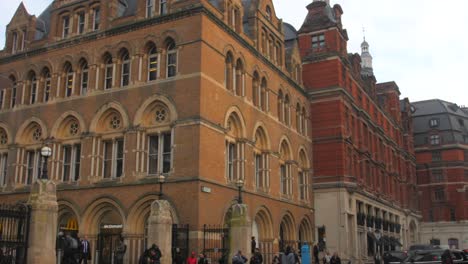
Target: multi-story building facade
(441, 145)
(205, 93)
(364, 164)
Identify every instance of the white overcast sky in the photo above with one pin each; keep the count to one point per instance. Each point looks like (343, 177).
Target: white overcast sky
(420, 44)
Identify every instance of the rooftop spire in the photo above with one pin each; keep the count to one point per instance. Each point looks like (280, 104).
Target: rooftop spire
(366, 57)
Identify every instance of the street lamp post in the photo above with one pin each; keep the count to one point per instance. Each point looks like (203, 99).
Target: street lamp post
(239, 184)
(46, 152)
(161, 181)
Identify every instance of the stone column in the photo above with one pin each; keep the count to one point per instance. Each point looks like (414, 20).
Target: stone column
(240, 232)
(160, 229)
(43, 226)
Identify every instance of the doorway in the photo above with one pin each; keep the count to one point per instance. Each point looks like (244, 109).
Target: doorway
(108, 239)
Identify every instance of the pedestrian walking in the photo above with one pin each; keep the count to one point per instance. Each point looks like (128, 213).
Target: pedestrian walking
(288, 256)
(316, 254)
(238, 258)
(120, 251)
(276, 259)
(253, 245)
(326, 258)
(335, 259)
(85, 249)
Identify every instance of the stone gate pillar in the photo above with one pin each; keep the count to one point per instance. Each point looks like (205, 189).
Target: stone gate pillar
(160, 229)
(43, 225)
(240, 232)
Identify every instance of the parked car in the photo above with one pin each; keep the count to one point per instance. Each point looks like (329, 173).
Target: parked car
(422, 247)
(434, 256)
(393, 257)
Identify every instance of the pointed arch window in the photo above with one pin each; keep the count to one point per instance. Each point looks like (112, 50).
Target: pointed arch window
(256, 89)
(33, 88)
(84, 76)
(239, 82)
(33, 165)
(285, 170)
(234, 150)
(14, 47)
(68, 79)
(304, 121)
(280, 106)
(3, 168)
(171, 50)
(81, 22)
(125, 68)
(261, 161)
(13, 92)
(96, 18)
(228, 73)
(71, 163)
(303, 177)
(263, 102)
(287, 110)
(268, 13)
(65, 26)
(153, 63)
(113, 158)
(108, 71)
(298, 118)
(47, 84)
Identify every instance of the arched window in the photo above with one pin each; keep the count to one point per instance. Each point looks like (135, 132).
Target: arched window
(84, 76)
(240, 79)
(256, 89)
(263, 103)
(264, 41)
(14, 46)
(235, 160)
(68, 79)
(280, 106)
(287, 110)
(228, 72)
(261, 161)
(47, 82)
(304, 121)
(149, 8)
(171, 50)
(108, 71)
(285, 170)
(153, 62)
(298, 118)
(13, 92)
(303, 176)
(125, 68)
(32, 88)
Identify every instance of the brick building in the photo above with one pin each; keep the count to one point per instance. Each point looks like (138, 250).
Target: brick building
(363, 157)
(441, 145)
(205, 93)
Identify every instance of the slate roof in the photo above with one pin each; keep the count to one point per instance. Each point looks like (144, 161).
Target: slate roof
(318, 20)
(452, 121)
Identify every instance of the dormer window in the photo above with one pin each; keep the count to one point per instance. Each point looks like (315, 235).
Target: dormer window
(96, 18)
(23, 39)
(435, 140)
(434, 122)
(81, 22)
(66, 26)
(14, 47)
(268, 13)
(318, 41)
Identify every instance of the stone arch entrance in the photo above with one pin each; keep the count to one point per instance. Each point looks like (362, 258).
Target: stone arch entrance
(287, 233)
(262, 230)
(305, 232)
(68, 221)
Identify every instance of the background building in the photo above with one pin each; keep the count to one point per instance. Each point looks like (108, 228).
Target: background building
(364, 163)
(204, 93)
(441, 141)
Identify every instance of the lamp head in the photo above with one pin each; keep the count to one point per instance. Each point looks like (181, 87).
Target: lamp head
(46, 151)
(161, 179)
(240, 183)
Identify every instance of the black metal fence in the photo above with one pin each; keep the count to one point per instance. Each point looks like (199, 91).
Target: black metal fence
(216, 243)
(14, 229)
(180, 243)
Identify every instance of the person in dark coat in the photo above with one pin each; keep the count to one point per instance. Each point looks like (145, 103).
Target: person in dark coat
(253, 245)
(335, 259)
(85, 251)
(447, 257)
(151, 256)
(120, 251)
(178, 258)
(202, 259)
(316, 254)
(257, 257)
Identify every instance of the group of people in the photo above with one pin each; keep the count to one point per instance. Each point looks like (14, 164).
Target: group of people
(327, 258)
(73, 250)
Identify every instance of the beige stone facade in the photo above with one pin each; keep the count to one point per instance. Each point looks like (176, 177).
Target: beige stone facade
(124, 94)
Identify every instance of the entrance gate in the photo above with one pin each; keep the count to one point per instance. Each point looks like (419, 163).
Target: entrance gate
(108, 240)
(14, 229)
(180, 243)
(216, 243)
